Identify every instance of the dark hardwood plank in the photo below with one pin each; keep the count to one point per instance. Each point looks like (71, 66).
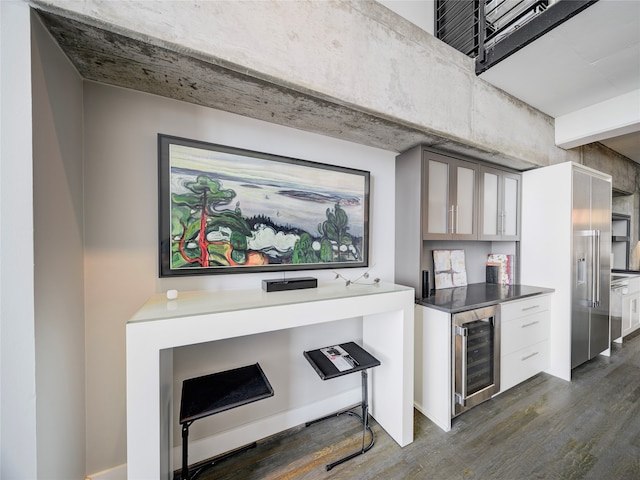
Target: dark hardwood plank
(544, 428)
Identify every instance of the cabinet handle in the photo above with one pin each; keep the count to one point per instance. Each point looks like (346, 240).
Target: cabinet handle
(529, 356)
(451, 222)
(529, 324)
(457, 220)
(530, 308)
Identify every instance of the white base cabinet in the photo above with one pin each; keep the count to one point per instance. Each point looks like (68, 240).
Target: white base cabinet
(524, 352)
(631, 307)
(524, 346)
(523, 364)
(433, 386)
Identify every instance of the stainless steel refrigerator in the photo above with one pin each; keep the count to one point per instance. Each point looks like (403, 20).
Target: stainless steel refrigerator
(591, 264)
(566, 245)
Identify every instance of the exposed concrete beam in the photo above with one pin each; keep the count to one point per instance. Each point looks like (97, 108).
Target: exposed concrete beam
(624, 172)
(352, 70)
(112, 58)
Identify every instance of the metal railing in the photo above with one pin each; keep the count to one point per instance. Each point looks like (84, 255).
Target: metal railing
(504, 16)
(473, 25)
(491, 30)
(458, 24)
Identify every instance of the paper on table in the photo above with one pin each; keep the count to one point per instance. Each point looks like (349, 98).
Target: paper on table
(339, 357)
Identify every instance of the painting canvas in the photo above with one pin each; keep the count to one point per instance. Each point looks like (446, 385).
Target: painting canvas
(449, 268)
(229, 210)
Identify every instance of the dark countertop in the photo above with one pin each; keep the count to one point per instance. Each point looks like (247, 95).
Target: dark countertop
(478, 295)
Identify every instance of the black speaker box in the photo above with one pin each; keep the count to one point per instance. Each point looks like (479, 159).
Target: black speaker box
(425, 284)
(280, 285)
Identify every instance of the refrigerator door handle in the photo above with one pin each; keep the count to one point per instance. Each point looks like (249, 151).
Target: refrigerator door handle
(581, 270)
(596, 270)
(594, 301)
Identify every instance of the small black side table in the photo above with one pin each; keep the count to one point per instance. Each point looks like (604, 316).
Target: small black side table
(359, 360)
(215, 393)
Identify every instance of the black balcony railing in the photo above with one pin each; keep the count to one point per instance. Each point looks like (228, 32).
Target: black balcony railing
(505, 16)
(491, 30)
(458, 24)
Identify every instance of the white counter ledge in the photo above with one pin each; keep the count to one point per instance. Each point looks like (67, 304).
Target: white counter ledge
(211, 302)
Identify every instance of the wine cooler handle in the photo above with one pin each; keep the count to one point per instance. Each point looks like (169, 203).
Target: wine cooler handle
(462, 395)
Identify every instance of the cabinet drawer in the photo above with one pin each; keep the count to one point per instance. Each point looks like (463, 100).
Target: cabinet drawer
(523, 364)
(634, 285)
(520, 308)
(524, 331)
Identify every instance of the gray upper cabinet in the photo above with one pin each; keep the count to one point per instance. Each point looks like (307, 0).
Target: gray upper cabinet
(450, 198)
(499, 208)
(429, 186)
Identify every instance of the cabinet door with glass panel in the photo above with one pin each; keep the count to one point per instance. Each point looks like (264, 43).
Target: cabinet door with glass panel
(499, 210)
(449, 210)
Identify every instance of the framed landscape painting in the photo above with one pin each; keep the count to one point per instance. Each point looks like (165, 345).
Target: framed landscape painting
(228, 210)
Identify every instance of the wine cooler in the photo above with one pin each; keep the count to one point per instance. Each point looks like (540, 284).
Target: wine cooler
(476, 338)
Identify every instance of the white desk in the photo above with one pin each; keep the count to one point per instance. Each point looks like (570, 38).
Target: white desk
(196, 317)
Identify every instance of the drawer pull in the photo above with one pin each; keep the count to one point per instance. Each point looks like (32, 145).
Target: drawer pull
(531, 323)
(529, 356)
(530, 308)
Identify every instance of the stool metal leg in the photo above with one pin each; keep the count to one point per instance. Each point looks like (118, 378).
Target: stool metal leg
(365, 423)
(365, 406)
(198, 468)
(184, 474)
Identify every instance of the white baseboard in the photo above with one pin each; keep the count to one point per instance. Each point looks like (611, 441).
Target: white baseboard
(231, 439)
(115, 473)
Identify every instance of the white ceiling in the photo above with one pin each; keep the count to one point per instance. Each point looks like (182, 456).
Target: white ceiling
(586, 74)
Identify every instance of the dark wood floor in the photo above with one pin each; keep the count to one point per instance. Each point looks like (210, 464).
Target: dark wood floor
(545, 428)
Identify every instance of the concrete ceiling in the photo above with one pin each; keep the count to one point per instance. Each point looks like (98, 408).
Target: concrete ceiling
(586, 74)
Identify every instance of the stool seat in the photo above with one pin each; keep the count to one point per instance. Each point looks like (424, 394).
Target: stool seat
(218, 392)
(343, 359)
(356, 355)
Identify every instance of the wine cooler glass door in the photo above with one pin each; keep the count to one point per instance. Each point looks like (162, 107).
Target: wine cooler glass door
(477, 357)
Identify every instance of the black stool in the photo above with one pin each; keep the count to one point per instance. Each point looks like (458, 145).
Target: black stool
(343, 359)
(215, 393)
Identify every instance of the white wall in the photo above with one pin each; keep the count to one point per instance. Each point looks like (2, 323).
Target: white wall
(58, 239)
(121, 245)
(17, 348)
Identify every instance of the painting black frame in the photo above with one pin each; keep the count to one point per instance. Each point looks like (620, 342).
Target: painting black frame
(235, 161)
